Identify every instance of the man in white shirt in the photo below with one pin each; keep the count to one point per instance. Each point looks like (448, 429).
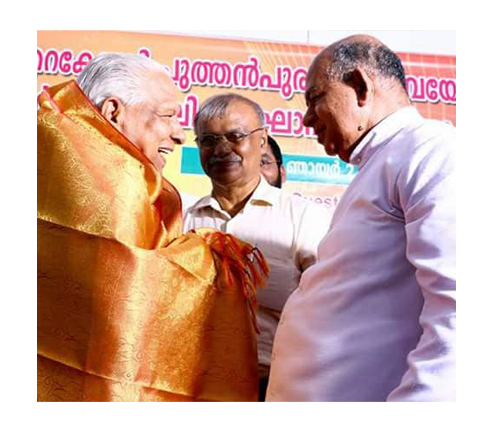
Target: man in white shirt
(231, 138)
(374, 318)
(271, 167)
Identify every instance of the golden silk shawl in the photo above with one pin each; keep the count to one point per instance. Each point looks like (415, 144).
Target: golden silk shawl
(129, 308)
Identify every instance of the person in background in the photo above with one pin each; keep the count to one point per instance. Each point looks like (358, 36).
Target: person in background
(271, 168)
(231, 137)
(126, 302)
(271, 165)
(374, 319)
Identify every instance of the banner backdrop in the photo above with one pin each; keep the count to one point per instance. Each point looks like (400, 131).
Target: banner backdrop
(272, 74)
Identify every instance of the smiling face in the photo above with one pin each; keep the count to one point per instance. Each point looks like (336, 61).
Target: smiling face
(227, 163)
(153, 125)
(332, 111)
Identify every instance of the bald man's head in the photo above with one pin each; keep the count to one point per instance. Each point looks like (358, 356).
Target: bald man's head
(367, 52)
(350, 87)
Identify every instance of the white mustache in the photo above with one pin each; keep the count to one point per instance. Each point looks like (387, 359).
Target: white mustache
(230, 158)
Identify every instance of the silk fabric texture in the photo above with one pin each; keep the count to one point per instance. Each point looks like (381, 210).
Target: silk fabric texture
(129, 308)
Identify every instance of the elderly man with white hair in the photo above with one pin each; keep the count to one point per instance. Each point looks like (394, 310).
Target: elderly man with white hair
(129, 308)
(138, 98)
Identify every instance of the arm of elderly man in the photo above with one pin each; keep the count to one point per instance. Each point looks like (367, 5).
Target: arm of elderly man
(426, 191)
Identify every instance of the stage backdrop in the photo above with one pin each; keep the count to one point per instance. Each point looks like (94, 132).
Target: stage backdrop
(272, 74)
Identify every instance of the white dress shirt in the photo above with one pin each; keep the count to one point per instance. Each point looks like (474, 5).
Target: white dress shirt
(287, 229)
(187, 201)
(374, 319)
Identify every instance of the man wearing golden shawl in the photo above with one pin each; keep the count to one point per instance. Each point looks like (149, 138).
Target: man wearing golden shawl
(129, 308)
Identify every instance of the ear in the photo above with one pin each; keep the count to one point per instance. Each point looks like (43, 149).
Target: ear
(283, 174)
(113, 110)
(263, 139)
(363, 85)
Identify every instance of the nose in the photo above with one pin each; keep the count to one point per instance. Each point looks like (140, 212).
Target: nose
(177, 133)
(222, 147)
(308, 118)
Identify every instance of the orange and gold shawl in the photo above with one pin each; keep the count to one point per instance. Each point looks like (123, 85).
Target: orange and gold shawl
(129, 309)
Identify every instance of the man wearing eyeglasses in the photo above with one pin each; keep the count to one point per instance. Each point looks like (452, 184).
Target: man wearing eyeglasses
(232, 139)
(271, 165)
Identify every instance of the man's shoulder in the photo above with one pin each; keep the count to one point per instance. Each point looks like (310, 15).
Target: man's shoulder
(421, 140)
(433, 139)
(424, 154)
(430, 130)
(436, 130)
(190, 201)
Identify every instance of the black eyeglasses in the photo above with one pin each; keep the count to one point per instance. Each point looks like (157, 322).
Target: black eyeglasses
(211, 140)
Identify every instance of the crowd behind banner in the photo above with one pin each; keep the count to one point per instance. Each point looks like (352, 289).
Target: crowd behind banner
(272, 74)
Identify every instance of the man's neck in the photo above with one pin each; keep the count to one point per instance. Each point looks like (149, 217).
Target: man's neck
(232, 198)
(389, 104)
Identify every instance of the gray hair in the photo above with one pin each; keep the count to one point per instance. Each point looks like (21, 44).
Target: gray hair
(117, 75)
(217, 105)
(376, 59)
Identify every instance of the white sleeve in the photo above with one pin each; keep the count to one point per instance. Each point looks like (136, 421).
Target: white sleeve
(427, 196)
(187, 201)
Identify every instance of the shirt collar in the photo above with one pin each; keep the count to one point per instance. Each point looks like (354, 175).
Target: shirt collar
(381, 134)
(207, 201)
(264, 194)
